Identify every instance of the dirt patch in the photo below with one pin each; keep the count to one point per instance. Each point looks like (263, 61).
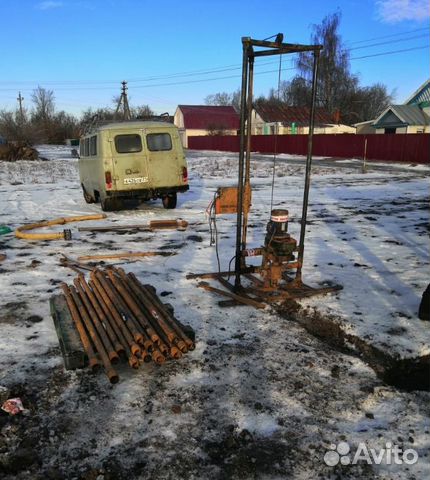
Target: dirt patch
(405, 373)
(12, 311)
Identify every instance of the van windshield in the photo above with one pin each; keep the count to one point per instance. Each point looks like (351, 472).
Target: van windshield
(129, 143)
(159, 142)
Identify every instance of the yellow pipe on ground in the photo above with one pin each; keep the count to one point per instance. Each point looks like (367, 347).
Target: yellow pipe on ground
(20, 232)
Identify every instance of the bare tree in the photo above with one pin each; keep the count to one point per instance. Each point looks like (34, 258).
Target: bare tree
(224, 99)
(44, 103)
(221, 99)
(334, 77)
(217, 129)
(143, 111)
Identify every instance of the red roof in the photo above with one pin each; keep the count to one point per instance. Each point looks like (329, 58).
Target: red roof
(204, 117)
(288, 115)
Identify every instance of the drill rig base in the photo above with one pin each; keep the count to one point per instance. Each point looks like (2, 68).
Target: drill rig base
(257, 296)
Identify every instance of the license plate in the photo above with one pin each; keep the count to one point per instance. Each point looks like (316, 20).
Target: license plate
(135, 180)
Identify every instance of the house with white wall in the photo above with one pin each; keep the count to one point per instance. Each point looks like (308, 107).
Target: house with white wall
(411, 117)
(197, 120)
(284, 120)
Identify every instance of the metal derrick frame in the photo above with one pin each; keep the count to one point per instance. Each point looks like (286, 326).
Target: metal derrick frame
(294, 288)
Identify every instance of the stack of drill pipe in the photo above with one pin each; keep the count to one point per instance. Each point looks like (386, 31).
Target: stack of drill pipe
(117, 316)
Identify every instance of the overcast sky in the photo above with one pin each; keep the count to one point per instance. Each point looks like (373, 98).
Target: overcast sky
(174, 52)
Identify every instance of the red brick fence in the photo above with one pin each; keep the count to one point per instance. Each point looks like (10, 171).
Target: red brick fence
(409, 148)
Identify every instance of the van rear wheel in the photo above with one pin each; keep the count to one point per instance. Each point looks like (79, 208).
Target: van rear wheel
(110, 204)
(169, 201)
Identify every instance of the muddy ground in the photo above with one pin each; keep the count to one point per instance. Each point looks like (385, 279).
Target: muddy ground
(261, 397)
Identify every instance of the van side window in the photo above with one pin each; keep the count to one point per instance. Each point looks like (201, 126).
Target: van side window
(130, 143)
(158, 142)
(81, 148)
(93, 145)
(87, 147)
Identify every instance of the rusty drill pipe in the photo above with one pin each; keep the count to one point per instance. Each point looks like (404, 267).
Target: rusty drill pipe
(169, 318)
(110, 372)
(93, 361)
(146, 356)
(117, 334)
(149, 306)
(139, 315)
(158, 316)
(111, 298)
(126, 319)
(175, 353)
(158, 357)
(113, 356)
(133, 307)
(125, 312)
(166, 315)
(129, 340)
(164, 347)
(146, 343)
(132, 359)
(136, 324)
(168, 224)
(146, 324)
(101, 315)
(164, 342)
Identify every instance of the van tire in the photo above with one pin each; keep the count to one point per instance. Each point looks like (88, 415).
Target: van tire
(169, 201)
(110, 204)
(87, 197)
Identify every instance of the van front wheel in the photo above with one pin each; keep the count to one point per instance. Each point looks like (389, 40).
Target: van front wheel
(87, 197)
(169, 201)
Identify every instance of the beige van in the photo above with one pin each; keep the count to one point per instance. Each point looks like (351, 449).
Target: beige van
(133, 160)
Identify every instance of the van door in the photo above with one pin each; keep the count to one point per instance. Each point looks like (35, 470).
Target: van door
(163, 157)
(129, 159)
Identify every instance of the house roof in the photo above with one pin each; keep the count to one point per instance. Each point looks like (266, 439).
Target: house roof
(287, 114)
(422, 94)
(367, 122)
(402, 115)
(203, 117)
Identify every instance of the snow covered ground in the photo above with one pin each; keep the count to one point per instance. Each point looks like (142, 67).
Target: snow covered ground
(259, 397)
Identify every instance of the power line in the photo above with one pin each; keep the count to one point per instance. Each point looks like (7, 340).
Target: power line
(389, 36)
(74, 88)
(391, 52)
(388, 42)
(135, 80)
(186, 82)
(220, 69)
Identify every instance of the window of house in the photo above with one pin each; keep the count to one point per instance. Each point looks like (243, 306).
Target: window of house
(158, 142)
(93, 145)
(130, 143)
(87, 147)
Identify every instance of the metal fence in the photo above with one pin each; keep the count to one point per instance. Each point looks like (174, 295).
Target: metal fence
(408, 148)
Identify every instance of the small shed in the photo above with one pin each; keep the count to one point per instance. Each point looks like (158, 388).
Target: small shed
(364, 128)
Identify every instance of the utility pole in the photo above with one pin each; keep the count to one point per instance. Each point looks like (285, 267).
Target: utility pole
(21, 111)
(123, 99)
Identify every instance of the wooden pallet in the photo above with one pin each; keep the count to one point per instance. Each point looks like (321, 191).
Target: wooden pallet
(70, 343)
